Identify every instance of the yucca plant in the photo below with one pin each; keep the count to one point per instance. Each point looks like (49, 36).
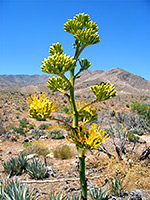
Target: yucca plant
(37, 170)
(14, 190)
(98, 194)
(85, 137)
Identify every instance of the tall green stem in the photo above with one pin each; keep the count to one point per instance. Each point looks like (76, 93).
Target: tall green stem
(72, 100)
(83, 181)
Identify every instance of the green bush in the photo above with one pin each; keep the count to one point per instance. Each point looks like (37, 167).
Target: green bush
(37, 133)
(141, 108)
(31, 126)
(131, 137)
(56, 134)
(23, 123)
(37, 170)
(44, 126)
(63, 152)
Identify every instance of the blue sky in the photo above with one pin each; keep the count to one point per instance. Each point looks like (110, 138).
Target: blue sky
(29, 27)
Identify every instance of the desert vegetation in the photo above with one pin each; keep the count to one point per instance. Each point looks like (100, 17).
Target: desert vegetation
(58, 151)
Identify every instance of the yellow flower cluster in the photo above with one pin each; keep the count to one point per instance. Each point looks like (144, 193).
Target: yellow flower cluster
(40, 107)
(88, 137)
(57, 84)
(104, 91)
(86, 113)
(83, 29)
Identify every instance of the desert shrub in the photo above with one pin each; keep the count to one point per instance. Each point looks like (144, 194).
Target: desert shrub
(131, 137)
(98, 194)
(38, 147)
(14, 190)
(63, 152)
(21, 131)
(23, 123)
(122, 117)
(137, 124)
(31, 126)
(44, 126)
(141, 108)
(36, 134)
(37, 170)
(56, 134)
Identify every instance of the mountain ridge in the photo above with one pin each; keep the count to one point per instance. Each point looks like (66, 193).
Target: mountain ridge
(125, 82)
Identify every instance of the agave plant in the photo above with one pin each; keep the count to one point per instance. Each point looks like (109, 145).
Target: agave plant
(22, 161)
(37, 170)
(85, 33)
(117, 186)
(12, 167)
(98, 194)
(57, 196)
(15, 165)
(14, 190)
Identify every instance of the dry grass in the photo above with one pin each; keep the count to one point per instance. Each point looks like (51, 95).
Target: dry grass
(38, 147)
(63, 152)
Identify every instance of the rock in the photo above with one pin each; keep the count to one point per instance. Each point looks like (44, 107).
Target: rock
(26, 140)
(30, 156)
(43, 137)
(141, 141)
(135, 196)
(50, 155)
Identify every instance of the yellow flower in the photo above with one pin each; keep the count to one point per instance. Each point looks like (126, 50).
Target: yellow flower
(88, 137)
(40, 107)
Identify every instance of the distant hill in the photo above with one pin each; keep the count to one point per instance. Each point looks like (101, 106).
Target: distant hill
(22, 80)
(125, 82)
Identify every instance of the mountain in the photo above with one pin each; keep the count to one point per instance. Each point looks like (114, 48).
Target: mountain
(125, 82)
(22, 80)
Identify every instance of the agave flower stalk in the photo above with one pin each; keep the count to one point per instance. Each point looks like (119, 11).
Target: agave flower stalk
(85, 137)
